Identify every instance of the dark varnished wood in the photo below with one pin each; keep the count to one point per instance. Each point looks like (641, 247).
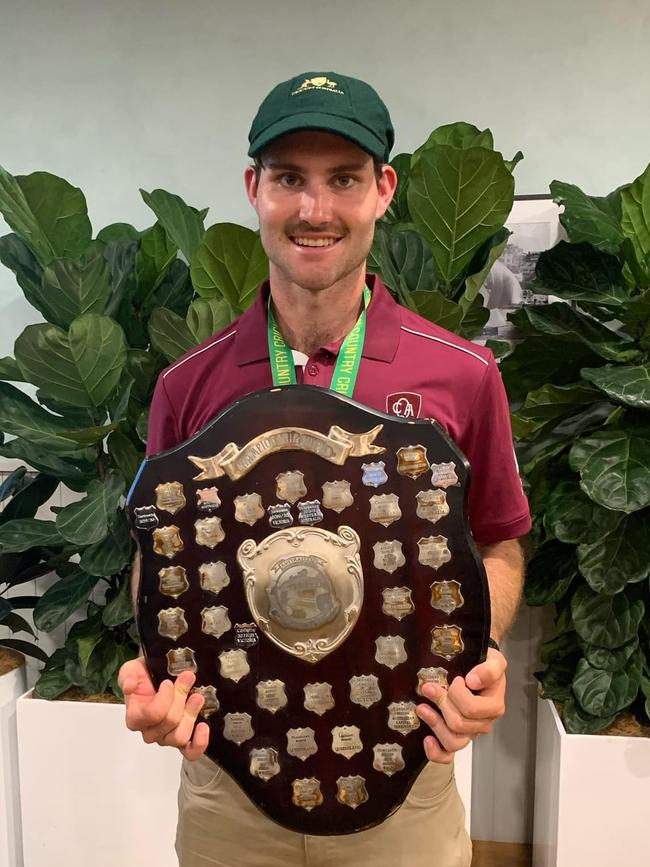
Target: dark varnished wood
(316, 409)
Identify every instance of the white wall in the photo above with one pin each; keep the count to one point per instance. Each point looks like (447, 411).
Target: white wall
(125, 94)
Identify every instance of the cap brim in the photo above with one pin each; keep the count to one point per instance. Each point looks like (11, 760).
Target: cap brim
(335, 124)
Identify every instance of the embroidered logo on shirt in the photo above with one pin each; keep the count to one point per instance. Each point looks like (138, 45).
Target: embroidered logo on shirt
(405, 404)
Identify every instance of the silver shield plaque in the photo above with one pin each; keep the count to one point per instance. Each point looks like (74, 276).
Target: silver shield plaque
(364, 689)
(209, 531)
(170, 497)
(346, 741)
(207, 499)
(402, 717)
(447, 641)
(351, 791)
(173, 581)
(248, 509)
(172, 623)
(306, 793)
(271, 695)
(443, 475)
(446, 596)
(167, 541)
(432, 505)
(388, 758)
(264, 763)
(337, 496)
(213, 577)
(180, 659)
(318, 697)
(215, 620)
(237, 727)
(434, 551)
(301, 743)
(412, 461)
(234, 664)
(388, 555)
(290, 486)
(384, 509)
(432, 675)
(390, 650)
(398, 602)
(210, 700)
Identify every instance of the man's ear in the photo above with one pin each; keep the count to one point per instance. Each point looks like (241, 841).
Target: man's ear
(250, 183)
(386, 185)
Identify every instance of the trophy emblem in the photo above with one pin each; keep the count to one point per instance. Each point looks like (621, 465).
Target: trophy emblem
(213, 577)
(264, 763)
(374, 474)
(390, 650)
(234, 664)
(215, 621)
(248, 509)
(337, 496)
(443, 475)
(446, 596)
(172, 623)
(207, 499)
(167, 541)
(145, 517)
(209, 532)
(434, 551)
(280, 516)
(364, 689)
(402, 717)
(307, 793)
(388, 758)
(301, 743)
(384, 509)
(271, 695)
(447, 641)
(237, 727)
(173, 581)
(318, 697)
(398, 602)
(210, 700)
(412, 461)
(346, 741)
(351, 791)
(290, 486)
(170, 497)
(180, 659)
(432, 505)
(388, 555)
(432, 675)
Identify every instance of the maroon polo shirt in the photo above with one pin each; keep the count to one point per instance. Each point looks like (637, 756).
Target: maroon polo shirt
(409, 367)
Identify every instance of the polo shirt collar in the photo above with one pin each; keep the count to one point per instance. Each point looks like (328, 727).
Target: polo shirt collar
(382, 327)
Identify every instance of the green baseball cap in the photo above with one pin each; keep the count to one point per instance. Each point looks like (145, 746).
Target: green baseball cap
(326, 101)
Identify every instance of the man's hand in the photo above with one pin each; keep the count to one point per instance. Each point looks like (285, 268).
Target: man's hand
(468, 708)
(166, 717)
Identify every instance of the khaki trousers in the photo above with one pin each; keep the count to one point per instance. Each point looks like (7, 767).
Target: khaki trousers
(219, 827)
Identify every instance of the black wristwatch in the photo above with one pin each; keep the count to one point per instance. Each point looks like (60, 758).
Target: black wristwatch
(492, 643)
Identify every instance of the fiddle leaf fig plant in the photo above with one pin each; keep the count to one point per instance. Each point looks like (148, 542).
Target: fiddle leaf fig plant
(581, 379)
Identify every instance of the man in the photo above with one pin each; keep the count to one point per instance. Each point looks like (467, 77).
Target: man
(320, 180)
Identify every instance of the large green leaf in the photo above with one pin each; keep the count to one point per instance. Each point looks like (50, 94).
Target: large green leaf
(458, 199)
(578, 272)
(124, 455)
(577, 721)
(607, 621)
(88, 521)
(110, 555)
(47, 212)
(169, 333)
(550, 403)
(62, 599)
(460, 135)
(144, 367)
(636, 316)
(183, 224)
(619, 558)
(24, 533)
(614, 467)
(602, 692)
(230, 262)
(24, 647)
(205, 316)
(21, 417)
(26, 502)
(72, 287)
(153, 259)
(537, 361)
(14, 483)
(405, 261)
(610, 660)
(560, 320)
(75, 471)
(80, 368)
(175, 291)
(574, 518)
(481, 265)
(9, 370)
(119, 609)
(635, 221)
(550, 573)
(436, 308)
(117, 232)
(629, 384)
(594, 219)
(16, 255)
(475, 316)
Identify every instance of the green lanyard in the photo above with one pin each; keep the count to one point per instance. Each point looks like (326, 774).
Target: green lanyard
(347, 363)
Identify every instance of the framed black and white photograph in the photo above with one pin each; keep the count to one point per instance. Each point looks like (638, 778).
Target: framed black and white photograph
(535, 226)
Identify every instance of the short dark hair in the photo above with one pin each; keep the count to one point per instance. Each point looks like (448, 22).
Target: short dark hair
(258, 164)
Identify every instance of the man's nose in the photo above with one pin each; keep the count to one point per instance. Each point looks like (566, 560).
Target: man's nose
(316, 205)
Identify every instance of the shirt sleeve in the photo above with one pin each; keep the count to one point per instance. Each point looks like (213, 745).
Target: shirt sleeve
(162, 431)
(498, 508)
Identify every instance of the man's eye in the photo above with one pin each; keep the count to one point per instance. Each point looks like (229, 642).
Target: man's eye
(288, 180)
(345, 181)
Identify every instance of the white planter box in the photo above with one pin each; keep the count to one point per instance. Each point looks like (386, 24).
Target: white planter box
(592, 797)
(93, 792)
(12, 685)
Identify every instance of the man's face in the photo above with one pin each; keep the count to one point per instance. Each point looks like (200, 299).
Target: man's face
(317, 201)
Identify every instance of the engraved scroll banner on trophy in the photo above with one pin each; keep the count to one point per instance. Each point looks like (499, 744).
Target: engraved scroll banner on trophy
(310, 560)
